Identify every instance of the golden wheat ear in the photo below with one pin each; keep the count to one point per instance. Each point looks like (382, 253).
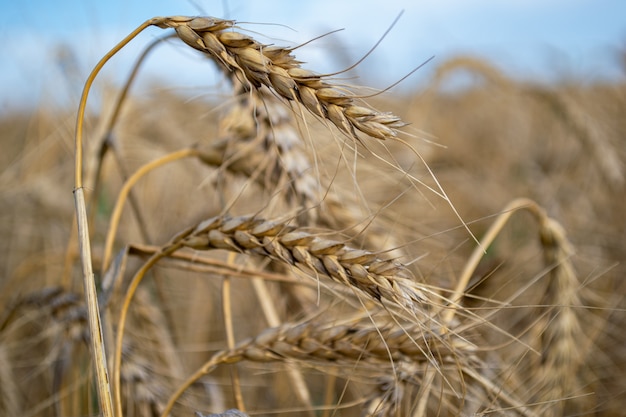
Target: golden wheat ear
(381, 279)
(256, 65)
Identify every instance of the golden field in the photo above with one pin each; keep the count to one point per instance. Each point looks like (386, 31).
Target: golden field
(298, 246)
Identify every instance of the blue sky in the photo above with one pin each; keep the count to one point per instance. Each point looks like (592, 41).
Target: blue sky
(49, 47)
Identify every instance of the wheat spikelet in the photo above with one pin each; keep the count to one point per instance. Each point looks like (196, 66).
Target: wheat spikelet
(385, 399)
(255, 65)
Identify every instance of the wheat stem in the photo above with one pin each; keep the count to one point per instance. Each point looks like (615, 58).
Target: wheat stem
(91, 299)
(107, 142)
(95, 326)
(230, 334)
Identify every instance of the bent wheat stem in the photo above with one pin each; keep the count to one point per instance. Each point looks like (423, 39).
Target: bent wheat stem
(479, 251)
(95, 326)
(123, 194)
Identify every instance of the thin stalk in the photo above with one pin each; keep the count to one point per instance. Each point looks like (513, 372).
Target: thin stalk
(230, 336)
(95, 326)
(130, 292)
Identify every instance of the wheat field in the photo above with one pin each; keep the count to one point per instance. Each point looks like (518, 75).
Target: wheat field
(299, 245)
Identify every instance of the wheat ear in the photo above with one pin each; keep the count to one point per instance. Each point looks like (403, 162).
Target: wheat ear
(260, 133)
(348, 343)
(381, 279)
(260, 141)
(562, 355)
(255, 65)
